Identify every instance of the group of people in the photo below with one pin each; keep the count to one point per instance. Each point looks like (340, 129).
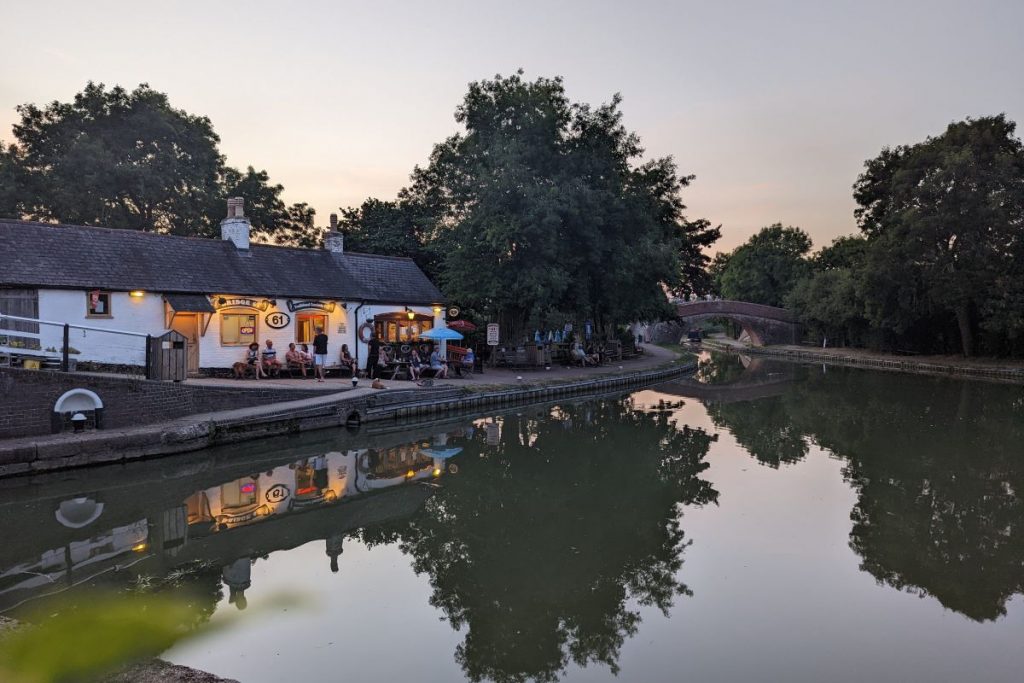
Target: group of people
(265, 362)
(380, 357)
(580, 355)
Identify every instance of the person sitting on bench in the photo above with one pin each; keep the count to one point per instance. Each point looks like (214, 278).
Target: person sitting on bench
(438, 365)
(296, 359)
(580, 356)
(252, 359)
(465, 363)
(415, 365)
(271, 365)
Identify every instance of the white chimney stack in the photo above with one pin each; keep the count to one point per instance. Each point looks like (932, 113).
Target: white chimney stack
(235, 228)
(335, 242)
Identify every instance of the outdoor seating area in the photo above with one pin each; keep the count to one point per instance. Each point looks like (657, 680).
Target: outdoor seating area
(410, 361)
(540, 355)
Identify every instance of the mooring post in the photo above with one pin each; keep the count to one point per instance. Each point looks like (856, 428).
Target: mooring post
(67, 342)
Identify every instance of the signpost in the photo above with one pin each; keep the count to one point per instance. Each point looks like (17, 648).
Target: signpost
(492, 341)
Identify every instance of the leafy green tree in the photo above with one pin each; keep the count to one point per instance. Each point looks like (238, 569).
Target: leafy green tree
(765, 268)
(554, 199)
(946, 217)
(828, 298)
(12, 182)
(130, 160)
(120, 159)
(271, 219)
(397, 228)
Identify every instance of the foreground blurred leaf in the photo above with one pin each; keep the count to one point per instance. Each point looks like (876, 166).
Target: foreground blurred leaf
(99, 634)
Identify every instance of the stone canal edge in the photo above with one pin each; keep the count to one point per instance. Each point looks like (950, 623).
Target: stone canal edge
(343, 409)
(1000, 373)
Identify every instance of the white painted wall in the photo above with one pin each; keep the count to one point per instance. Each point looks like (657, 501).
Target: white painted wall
(212, 354)
(144, 315)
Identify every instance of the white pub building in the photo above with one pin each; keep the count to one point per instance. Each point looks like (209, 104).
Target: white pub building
(222, 295)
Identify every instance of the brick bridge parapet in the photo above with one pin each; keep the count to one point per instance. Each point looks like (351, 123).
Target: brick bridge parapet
(765, 324)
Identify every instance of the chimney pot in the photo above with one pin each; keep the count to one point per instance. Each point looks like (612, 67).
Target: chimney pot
(334, 222)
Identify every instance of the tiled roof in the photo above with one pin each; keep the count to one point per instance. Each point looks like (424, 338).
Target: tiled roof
(82, 257)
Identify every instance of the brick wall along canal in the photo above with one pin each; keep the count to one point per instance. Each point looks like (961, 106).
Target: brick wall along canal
(765, 521)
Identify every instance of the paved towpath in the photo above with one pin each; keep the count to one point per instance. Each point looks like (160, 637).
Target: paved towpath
(652, 357)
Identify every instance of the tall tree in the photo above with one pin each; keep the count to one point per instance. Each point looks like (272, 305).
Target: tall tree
(396, 228)
(766, 268)
(12, 182)
(120, 159)
(130, 160)
(554, 198)
(948, 213)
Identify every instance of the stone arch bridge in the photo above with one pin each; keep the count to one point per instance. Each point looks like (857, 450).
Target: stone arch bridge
(764, 324)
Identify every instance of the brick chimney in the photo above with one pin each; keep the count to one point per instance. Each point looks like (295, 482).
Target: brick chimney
(235, 228)
(334, 241)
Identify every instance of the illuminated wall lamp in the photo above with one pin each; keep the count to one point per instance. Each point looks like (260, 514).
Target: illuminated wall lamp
(136, 294)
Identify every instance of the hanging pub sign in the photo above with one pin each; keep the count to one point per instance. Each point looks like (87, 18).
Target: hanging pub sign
(310, 304)
(277, 320)
(240, 302)
(453, 312)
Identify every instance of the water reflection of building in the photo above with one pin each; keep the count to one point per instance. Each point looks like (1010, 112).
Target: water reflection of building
(203, 527)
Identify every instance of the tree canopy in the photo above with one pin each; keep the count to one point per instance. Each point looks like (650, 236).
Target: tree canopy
(128, 159)
(765, 268)
(543, 210)
(950, 210)
(939, 264)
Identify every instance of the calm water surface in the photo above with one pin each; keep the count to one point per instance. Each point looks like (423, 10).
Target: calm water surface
(763, 521)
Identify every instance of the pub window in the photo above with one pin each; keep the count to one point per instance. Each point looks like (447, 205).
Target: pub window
(97, 304)
(237, 329)
(306, 324)
(240, 493)
(401, 330)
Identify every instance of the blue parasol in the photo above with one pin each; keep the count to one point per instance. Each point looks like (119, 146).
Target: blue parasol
(441, 333)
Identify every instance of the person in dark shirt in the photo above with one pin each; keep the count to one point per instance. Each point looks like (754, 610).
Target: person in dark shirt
(320, 353)
(372, 357)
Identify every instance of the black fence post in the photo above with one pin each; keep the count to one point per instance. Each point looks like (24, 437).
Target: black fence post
(149, 356)
(67, 343)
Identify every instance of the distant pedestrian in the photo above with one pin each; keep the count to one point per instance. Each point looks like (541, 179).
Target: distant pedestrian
(320, 353)
(372, 356)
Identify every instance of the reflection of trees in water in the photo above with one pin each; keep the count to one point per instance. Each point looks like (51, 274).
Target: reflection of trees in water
(938, 469)
(765, 428)
(719, 368)
(541, 541)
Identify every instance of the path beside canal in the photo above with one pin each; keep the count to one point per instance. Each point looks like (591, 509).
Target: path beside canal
(340, 405)
(993, 369)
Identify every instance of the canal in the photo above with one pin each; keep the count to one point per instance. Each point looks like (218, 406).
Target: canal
(760, 521)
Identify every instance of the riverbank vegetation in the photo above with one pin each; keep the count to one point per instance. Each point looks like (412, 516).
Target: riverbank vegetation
(938, 266)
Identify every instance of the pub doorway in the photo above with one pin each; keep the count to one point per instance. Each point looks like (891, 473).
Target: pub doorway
(187, 324)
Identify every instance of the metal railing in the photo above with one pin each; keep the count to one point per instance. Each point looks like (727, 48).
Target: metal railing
(66, 349)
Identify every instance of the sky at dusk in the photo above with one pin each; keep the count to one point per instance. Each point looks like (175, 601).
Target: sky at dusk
(773, 106)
